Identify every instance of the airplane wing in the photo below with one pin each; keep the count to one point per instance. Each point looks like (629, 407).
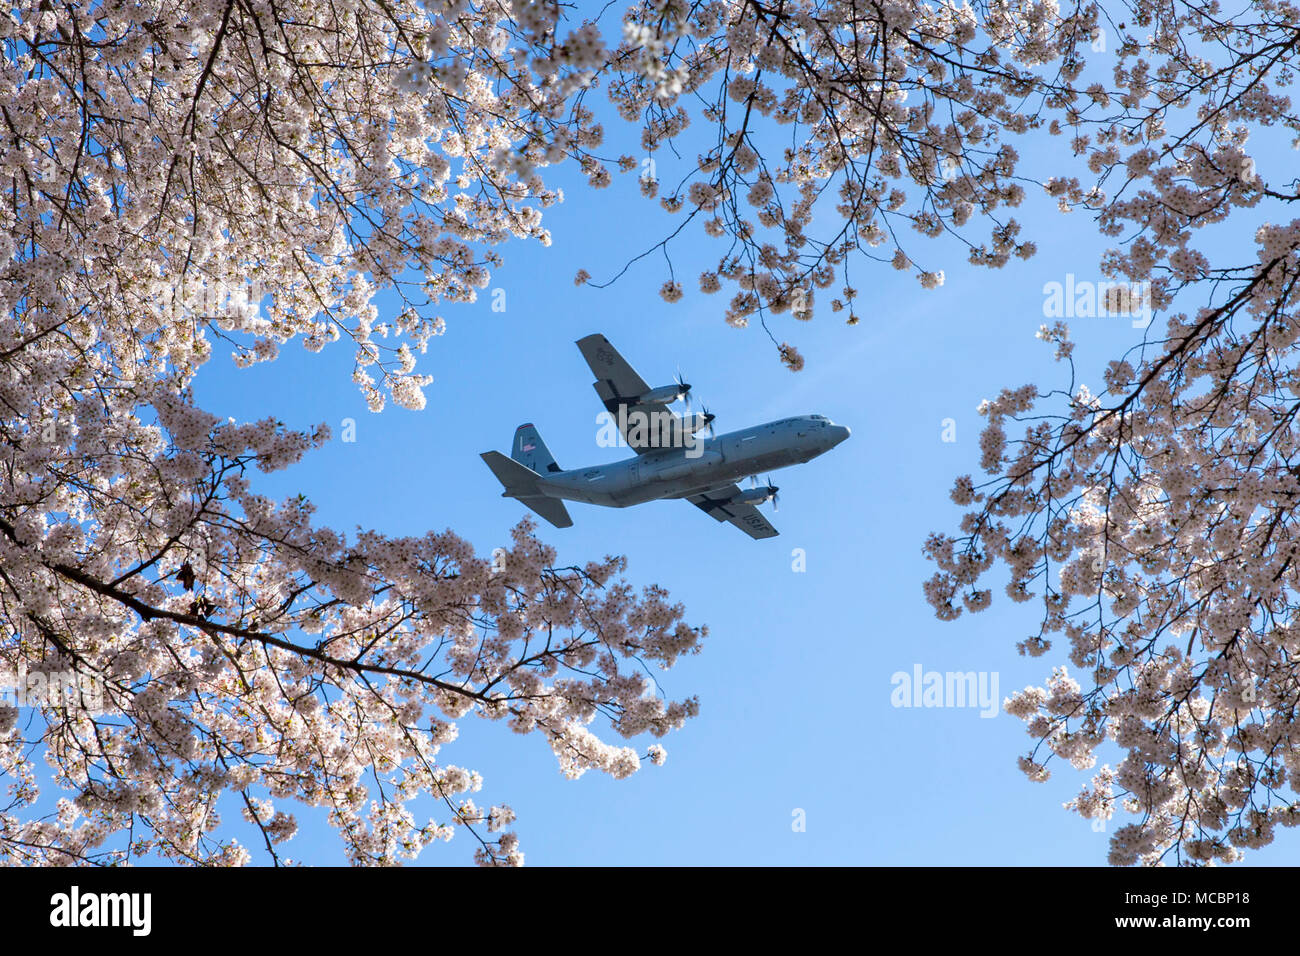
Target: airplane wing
(717, 503)
(616, 382)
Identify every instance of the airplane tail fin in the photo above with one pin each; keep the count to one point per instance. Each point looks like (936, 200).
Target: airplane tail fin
(521, 482)
(531, 452)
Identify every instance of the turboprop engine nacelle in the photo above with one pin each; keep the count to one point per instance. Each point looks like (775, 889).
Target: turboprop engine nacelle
(756, 496)
(663, 395)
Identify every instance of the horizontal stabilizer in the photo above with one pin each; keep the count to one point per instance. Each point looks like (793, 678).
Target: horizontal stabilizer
(523, 483)
(552, 509)
(519, 480)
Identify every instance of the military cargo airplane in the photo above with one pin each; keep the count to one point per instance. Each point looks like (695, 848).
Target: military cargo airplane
(672, 459)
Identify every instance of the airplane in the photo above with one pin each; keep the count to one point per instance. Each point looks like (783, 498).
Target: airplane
(672, 460)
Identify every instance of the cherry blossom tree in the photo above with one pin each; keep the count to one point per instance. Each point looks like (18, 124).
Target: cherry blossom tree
(179, 176)
(1154, 520)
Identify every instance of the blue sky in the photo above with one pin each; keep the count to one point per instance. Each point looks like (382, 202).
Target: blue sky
(795, 678)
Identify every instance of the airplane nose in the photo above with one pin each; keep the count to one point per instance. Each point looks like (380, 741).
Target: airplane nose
(841, 432)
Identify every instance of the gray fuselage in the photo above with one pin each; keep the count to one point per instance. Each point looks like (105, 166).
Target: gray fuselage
(682, 471)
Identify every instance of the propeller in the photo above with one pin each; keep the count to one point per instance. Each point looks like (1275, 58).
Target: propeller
(708, 418)
(772, 489)
(683, 389)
